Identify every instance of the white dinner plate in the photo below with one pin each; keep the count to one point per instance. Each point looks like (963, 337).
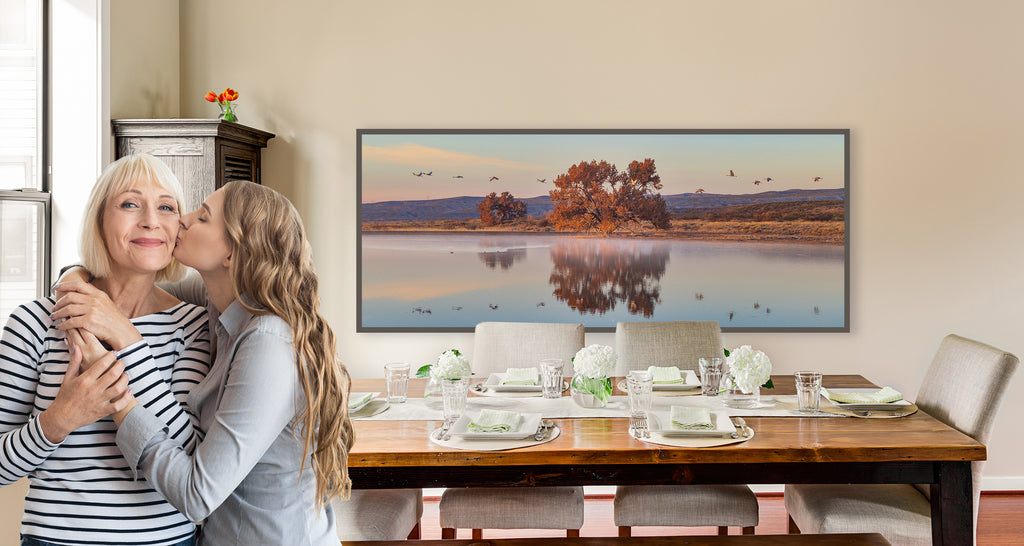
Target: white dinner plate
(865, 406)
(661, 422)
(527, 427)
(690, 382)
(494, 382)
(353, 395)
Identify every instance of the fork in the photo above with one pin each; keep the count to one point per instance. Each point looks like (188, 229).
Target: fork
(638, 427)
(442, 433)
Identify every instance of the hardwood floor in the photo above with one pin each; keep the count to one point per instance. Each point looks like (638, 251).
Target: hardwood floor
(1000, 521)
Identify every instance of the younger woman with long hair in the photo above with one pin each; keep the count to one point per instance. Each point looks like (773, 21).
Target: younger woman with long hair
(273, 410)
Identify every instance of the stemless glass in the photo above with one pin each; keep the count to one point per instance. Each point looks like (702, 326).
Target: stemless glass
(640, 387)
(453, 395)
(710, 375)
(808, 391)
(396, 378)
(551, 377)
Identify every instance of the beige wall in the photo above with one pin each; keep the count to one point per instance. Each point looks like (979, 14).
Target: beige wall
(144, 59)
(932, 92)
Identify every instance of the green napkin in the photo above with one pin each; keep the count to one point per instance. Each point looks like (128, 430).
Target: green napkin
(665, 374)
(491, 420)
(691, 418)
(881, 396)
(359, 398)
(520, 376)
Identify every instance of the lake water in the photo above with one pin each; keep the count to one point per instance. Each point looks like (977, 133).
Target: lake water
(455, 280)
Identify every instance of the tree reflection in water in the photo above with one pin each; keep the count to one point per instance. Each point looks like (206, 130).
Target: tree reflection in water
(593, 278)
(503, 258)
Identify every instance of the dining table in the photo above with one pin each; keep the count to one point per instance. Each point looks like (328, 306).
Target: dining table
(790, 448)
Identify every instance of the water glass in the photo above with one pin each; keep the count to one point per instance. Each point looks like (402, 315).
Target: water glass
(453, 396)
(711, 370)
(396, 378)
(640, 387)
(808, 391)
(551, 377)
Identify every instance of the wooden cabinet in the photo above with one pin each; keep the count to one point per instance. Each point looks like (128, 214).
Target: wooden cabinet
(203, 153)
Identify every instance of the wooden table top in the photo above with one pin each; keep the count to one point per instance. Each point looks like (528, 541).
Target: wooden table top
(606, 441)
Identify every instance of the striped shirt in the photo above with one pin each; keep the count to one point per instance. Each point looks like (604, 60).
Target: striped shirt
(82, 491)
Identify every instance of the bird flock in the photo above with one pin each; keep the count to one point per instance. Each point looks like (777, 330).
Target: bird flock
(757, 181)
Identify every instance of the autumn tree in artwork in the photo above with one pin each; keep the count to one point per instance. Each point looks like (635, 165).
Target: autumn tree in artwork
(596, 196)
(498, 209)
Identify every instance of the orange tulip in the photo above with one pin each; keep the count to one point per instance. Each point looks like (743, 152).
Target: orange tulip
(220, 98)
(211, 96)
(230, 94)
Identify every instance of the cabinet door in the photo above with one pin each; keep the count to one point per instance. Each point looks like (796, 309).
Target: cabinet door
(237, 163)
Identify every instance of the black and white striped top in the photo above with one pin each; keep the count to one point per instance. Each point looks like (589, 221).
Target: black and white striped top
(82, 491)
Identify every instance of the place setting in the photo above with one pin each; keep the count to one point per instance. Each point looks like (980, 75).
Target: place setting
(861, 402)
(494, 430)
(680, 425)
(543, 381)
(670, 381)
(366, 404)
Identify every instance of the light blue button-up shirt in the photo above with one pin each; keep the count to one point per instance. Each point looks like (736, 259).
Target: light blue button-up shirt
(243, 479)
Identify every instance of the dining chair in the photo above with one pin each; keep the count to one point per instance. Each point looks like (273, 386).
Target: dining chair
(498, 346)
(379, 514)
(962, 388)
(679, 344)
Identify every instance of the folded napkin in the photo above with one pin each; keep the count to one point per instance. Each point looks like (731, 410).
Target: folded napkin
(491, 420)
(691, 418)
(359, 399)
(665, 374)
(881, 396)
(520, 376)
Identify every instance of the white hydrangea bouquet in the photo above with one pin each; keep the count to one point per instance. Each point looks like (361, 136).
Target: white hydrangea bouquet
(450, 365)
(593, 366)
(750, 369)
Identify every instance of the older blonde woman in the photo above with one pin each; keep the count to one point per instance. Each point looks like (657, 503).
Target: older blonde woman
(52, 424)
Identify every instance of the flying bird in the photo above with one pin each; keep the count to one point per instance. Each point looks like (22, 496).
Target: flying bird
(817, 178)
(493, 178)
(731, 173)
(700, 190)
(767, 179)
(418, 174)
(457, 176)
(542, 180)
(429, 174)
(757, 182)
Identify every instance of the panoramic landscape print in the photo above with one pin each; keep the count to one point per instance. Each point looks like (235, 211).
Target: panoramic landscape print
(747, 228)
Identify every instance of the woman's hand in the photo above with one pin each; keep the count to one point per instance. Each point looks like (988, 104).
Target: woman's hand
(86, 343)
(86, 396)
(86, 307)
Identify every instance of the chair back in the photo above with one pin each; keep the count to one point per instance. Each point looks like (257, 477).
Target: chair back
(498, 346)
(963, 388)
(679, 344)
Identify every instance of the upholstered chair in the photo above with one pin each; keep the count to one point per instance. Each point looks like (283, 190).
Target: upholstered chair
(498, 346)
(962, 388)
(379, 514)
(679, 344)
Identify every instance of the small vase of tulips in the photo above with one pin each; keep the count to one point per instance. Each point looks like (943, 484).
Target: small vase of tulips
(224, 100)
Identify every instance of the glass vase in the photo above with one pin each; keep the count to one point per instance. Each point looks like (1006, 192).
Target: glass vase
(588, 392)
(734, 397)
(227, 112)
(453, 396)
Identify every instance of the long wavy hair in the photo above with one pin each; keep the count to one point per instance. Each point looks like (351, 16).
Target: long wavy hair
(272, 272)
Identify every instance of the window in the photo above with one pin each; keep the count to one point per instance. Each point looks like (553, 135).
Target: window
(24, 186)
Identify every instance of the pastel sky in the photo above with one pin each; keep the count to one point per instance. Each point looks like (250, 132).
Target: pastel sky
(462, 164)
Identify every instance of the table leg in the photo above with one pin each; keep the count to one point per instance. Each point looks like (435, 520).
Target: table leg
(952, 504)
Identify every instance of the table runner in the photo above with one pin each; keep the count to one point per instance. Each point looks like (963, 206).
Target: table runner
(429, 409)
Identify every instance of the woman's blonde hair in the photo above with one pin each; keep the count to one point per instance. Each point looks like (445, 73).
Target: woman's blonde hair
(272, 273)
(116, 179)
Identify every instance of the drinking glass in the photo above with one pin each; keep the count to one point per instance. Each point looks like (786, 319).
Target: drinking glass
(710, 375)
(640, 387)
(808, 391)
(551, 377)
(396, 378)
(453, 396)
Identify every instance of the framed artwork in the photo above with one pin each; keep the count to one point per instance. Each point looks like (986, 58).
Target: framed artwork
(749, 228)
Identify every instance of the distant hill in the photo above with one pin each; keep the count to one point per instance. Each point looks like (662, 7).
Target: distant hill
(463, 208)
